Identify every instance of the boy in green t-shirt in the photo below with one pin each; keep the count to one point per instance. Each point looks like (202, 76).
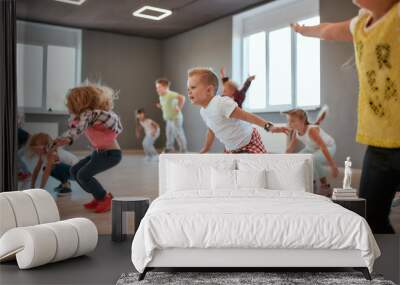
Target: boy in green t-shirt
(171, 104)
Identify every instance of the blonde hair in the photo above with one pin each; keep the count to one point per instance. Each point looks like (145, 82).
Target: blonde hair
(90, 97)
(207, 76)
(39, 139)
(298, 113)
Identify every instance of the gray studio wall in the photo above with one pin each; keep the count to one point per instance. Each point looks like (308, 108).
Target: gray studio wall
(129, 64)
(207, 46)
(211, 45)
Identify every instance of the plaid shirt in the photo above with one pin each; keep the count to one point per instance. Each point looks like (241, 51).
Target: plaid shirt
(87, 119)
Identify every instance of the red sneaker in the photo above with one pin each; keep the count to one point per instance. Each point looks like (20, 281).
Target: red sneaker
(91, 205)
(105, 204)
(23, 176)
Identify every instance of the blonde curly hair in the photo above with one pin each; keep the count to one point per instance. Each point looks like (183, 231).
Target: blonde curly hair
(39, 139)
(90, 97)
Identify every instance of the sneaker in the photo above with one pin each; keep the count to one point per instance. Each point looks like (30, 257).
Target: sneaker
(58, 188)
(64, 191)
(91, 205)
(22, 176)
(105, 204)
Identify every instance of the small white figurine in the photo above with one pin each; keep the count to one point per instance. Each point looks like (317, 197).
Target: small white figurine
(347, 174)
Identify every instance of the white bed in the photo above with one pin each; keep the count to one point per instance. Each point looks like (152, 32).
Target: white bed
(221, 211)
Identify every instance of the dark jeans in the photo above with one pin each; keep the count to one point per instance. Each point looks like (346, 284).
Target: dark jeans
(380, 179)
(85, 170)
(61, 172)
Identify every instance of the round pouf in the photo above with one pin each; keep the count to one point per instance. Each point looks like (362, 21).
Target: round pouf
(139, 205)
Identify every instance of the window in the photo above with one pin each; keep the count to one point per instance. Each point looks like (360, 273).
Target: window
(48, 64)
(286, 65)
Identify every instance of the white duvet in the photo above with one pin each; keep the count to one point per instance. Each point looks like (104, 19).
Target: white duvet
(250, 219)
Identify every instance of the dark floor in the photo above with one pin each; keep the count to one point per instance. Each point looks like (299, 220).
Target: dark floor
(110, 260)
(103, 266)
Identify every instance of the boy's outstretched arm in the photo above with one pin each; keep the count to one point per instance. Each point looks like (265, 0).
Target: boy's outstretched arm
(239, 114)
(209, 141)
(326, 31)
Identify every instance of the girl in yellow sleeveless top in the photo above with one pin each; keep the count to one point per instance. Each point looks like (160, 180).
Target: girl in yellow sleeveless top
(375, 33)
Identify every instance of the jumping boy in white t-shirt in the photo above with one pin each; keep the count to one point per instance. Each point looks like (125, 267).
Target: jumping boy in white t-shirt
(224, 119)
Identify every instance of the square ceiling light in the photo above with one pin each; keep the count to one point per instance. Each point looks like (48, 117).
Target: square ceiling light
(152, 13)
(75, 2)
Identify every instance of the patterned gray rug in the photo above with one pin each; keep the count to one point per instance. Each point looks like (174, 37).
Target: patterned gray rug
(243, 278)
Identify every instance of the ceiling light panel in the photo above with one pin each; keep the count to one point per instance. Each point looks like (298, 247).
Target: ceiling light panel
(75, 2)
(153, 13)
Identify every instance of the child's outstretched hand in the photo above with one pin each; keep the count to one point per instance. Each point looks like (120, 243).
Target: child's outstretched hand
(301, 29)
(222, 72)
(279, 130)
(251, 78)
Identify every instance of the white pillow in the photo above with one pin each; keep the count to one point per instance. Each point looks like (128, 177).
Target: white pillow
(237, 179)
(293, 180)
(281, 174)
(187, 175)
(251, 179)
(223, 179)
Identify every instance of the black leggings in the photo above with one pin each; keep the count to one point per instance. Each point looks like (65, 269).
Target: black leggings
(380, 179)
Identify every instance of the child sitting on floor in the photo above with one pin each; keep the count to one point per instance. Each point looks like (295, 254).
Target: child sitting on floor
(316, 142)
(224, 119)
(57, 162)
(151, 133)
(232, 90)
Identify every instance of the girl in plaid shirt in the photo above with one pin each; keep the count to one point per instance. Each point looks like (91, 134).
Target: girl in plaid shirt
(91, 113)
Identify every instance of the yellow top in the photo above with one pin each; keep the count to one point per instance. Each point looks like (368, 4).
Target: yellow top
(377, 49)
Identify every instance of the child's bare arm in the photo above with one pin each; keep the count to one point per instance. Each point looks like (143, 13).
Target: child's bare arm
(314, 135)
(181, 101)
(51, 158)
(209, 141)
(155, 125)
(292, 144)
(36, 171)
(246, 85)
(326, 31)
(239, 114)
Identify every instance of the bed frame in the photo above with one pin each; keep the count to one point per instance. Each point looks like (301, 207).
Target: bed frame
(246, 259)
(249, 259)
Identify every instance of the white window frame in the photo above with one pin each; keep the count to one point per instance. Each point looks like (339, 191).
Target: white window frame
(281, 13)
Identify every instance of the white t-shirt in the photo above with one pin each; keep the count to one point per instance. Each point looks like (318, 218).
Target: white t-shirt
(233, 133)
(147, 126)
(309, 143)
(64, 156)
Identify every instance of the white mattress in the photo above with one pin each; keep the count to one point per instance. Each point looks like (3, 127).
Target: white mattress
(252, 218)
